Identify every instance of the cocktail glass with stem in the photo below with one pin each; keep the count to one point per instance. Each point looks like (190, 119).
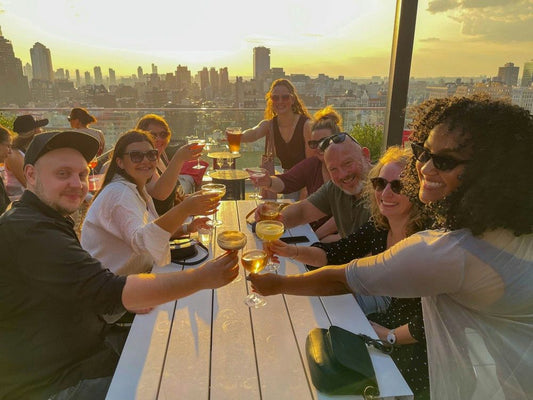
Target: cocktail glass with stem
(220, 190)
(254, 261)
(268, 231)
(198, 144)
(256, 173)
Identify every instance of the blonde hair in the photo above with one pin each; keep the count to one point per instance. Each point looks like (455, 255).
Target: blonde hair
(327, 118)
(417, 218)
(298, 107)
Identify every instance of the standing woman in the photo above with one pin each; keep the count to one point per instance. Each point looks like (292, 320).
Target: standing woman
(6, 138)
(472, 161)
(80, 119)
(287, 122)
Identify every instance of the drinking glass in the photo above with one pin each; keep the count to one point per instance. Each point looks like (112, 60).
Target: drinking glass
(254, 261)
(231, 240)
(92, 179)
(198, 145)
(220, 190)
(268, 231)
(234, 139)
(256, 173)
(269, 210)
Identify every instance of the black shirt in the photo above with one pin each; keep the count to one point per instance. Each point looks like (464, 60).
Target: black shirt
(51, 295)
(4, 198)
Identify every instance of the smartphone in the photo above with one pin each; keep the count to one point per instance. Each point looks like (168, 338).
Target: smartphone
(294, 239)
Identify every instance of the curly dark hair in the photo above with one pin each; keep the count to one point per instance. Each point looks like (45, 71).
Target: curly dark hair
(495, 190)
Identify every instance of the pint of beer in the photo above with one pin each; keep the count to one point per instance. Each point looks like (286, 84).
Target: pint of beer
(234, 139)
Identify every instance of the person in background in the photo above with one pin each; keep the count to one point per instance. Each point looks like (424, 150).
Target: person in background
(310, 173)
(122, 228)
(53, 341)
(26, 127)
(471, 165)
(6, 139)
(393, 217)
(165, 186)
(348, 164)
(80, 119)
(287, 123)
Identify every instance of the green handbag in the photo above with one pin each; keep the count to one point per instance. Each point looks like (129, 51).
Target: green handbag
(340, 364)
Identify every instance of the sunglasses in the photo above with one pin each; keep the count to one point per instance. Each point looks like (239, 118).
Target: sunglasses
(137, 156)
(277, 97)
(336, 138)
(379, 184)
(442, 163)
(160, 135)
(313, 144)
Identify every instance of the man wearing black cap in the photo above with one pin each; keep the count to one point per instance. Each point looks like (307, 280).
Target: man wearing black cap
(52, 340)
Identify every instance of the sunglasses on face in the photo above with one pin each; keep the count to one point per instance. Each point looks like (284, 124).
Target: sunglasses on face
(313, 144)
(277, 97)
(137, 156)
(442, 163)
(379, 184)
(336, 138)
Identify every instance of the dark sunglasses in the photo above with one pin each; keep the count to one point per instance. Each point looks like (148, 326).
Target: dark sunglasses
(138, 156)
(313, 144)
(277, 97)
(160, 135)
(336, 138)
(380, 184)
(442, 163)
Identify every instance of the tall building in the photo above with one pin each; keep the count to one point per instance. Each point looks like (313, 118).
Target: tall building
(88, 78)
(225, 87)
(154, 69)
(13, 83)
(26, 69)
(60, 74)
(261, 62)
(508, 74)
(112, 77)
(140, 74)
(98, 78)
(527, 74)
(78, 78)
(41, 61)
(214, 81)
(204, 82)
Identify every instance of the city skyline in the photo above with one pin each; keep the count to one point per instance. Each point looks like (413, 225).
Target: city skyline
(467, 38)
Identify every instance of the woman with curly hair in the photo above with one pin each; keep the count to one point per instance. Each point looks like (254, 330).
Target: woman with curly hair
(287, 122)
(472, 157)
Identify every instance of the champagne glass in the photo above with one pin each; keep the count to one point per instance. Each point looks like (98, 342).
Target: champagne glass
(198, 145)
(220, 190)
(254, 261)
(268, 231)
(256, 173)
(231, 240)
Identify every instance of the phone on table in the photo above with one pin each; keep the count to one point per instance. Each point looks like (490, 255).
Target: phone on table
(294, 239)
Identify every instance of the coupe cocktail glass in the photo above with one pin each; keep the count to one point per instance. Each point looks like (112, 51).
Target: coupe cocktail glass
(256, 173)
(254, 261)
(268, 231)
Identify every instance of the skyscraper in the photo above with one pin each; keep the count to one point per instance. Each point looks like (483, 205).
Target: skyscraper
(98, 79)
(112, 77)
(508, 74)
(41, 61)
(13, 84)
(78, 78)
(261, 62)
(527, 74)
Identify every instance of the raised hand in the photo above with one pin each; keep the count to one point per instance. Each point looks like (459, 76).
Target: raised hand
(201, 203)
(221, 270)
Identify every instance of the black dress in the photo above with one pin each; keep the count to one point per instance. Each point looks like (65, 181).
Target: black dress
(410, 359)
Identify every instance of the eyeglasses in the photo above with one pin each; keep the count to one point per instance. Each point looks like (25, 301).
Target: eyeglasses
(336, 138)
(313, 144)
(160, 135)
(277, 97)
(137, 156)
(379, 184)
(442, 163)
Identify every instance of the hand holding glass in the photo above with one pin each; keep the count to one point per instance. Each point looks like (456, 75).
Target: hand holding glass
(198, 145)
(220, 190)
(268, 231)
(234, 135)
(254, 261)
(255, 174)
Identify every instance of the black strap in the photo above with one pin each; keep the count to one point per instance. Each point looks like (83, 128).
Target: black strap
(381, 345)
(204, 257)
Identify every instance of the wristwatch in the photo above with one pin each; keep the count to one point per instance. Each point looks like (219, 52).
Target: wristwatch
(391, 337)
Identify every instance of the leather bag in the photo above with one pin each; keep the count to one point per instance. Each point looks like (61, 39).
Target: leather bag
(339, 362)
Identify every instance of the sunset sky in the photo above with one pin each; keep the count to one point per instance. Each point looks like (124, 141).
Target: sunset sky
(337, 37)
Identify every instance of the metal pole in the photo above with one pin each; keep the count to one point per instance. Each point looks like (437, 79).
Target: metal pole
(400, 68)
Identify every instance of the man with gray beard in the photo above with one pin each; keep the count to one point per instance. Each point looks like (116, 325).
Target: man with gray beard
(348, 164)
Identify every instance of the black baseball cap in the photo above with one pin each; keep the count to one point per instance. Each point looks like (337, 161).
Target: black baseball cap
(26, 123)
(42, 143)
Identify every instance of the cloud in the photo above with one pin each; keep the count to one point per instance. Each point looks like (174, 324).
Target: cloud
(492, 20)
(429, 39)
